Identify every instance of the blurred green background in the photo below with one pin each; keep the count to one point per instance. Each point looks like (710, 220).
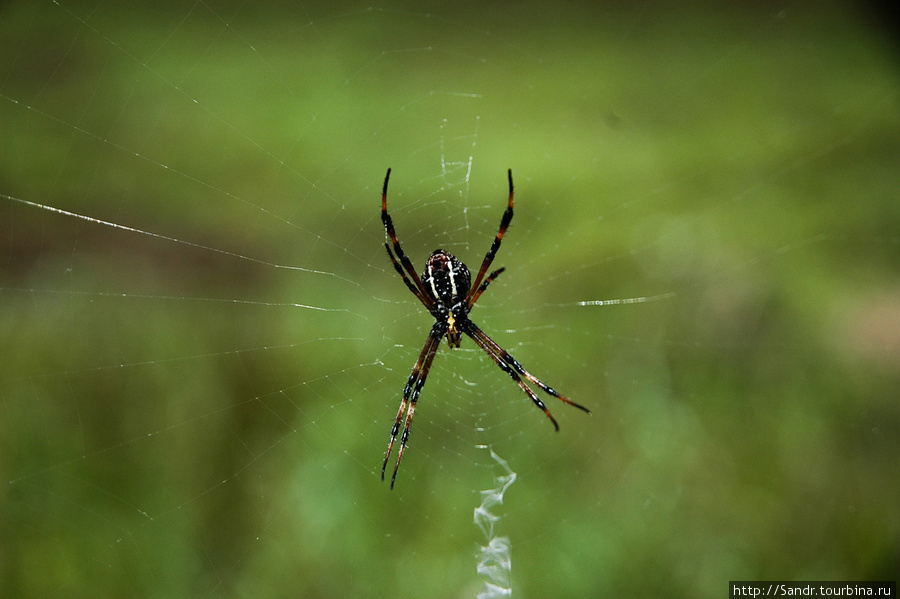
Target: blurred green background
(205, 345)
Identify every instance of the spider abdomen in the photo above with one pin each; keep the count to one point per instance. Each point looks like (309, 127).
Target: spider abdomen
(446, 280)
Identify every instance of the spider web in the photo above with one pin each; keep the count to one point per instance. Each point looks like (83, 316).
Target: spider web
(205, 342)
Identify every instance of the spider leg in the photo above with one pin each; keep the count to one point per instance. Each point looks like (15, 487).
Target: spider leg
(424, 299)
(489, 257)
(521, 370)
(410, 396)
(485, 284)
(512, 373)
(512, 367)
(414, 283)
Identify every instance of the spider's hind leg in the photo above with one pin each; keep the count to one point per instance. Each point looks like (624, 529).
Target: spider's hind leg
(410, 397)
(511, 366)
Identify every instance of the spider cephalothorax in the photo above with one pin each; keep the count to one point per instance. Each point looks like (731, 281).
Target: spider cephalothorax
(445, 288)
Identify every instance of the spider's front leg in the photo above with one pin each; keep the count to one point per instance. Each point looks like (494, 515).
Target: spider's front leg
(411, 395)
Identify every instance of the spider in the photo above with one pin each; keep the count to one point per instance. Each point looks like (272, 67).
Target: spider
(446, 290)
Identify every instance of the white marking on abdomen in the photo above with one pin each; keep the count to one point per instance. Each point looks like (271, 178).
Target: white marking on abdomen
(452, 283)
(431, 280)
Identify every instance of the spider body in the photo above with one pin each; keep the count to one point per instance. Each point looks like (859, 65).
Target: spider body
(447, 282)
(446, 289)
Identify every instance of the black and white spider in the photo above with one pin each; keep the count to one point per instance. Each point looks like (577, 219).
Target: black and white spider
(446, 290)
